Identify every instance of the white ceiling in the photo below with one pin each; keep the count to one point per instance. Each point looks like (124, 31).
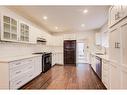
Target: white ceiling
(66, 18)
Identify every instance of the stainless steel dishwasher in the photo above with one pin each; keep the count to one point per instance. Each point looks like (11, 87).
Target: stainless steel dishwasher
(99, 67)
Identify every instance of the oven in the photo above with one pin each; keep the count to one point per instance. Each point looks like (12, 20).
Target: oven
(46, 61)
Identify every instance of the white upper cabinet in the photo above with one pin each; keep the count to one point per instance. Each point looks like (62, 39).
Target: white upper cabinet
(14, 30)
(116, 13)
(114, 44)
(24, 32)
(118, 50)
(9, 31)
(124, 10)
(123, 27)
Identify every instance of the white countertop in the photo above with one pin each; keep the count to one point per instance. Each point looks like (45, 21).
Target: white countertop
(14, 58)
(105, 57)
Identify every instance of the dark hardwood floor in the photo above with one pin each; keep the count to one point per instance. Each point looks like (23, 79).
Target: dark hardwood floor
(67, 77)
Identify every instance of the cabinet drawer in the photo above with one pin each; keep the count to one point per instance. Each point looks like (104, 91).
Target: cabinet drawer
(16, 63)
(20, 62)
(21, 80)
(18, 71)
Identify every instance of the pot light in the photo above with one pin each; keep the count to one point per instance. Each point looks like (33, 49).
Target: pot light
(56, 28)
(85, 11)
(45, 17)
(82, 25)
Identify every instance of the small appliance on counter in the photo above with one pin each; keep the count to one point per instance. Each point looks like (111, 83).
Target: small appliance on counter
(46, 60)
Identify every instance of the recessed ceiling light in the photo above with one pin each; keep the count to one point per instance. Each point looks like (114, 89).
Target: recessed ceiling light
(82, 25)
(45, 17)
(85, 11)
(56, 27)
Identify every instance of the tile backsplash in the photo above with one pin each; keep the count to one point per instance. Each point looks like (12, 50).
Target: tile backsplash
(15, 49)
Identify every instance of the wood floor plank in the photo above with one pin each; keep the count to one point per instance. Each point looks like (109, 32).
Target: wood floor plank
(80, 76)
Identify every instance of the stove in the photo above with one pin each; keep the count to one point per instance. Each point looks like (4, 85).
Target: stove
(46, 60)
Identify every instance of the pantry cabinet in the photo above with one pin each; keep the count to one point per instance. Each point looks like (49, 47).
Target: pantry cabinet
(118, 49)
(117, 13)
(114, 44)
(123, 28)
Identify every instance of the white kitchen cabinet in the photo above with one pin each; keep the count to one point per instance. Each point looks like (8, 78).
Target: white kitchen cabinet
(124, 10)
(123, 28)
(118, 48)
(112, 12)
(123, 77)
(38, 65)
(24, 32)
(98, 38)
(57, 58)
(33, 35)
(9, 28)
(17, 73)
(114, 44)
(115, 75)
(12, 30)
(105, 73)
(56, 41)
(117, 13)
(93, 61)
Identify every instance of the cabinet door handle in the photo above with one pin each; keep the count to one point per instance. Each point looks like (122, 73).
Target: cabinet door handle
(117, 15)
(115, 45)
(19, 82)
(17, 63)
(118, 45)
(18, 72)
(30, 60)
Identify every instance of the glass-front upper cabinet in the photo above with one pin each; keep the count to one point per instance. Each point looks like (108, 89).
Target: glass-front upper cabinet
(9, 28)
(24, 32)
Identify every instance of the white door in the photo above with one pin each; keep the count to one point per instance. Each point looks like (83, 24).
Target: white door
(82, 53)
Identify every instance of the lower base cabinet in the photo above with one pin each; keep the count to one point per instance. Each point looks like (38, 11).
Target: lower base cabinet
(115, 76)
(17, 73)
(123, 77)
(57, 58)
(105, 73)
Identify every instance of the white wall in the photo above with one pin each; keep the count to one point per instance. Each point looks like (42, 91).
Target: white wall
(104, 34)
(89, 36)
(13, 49)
